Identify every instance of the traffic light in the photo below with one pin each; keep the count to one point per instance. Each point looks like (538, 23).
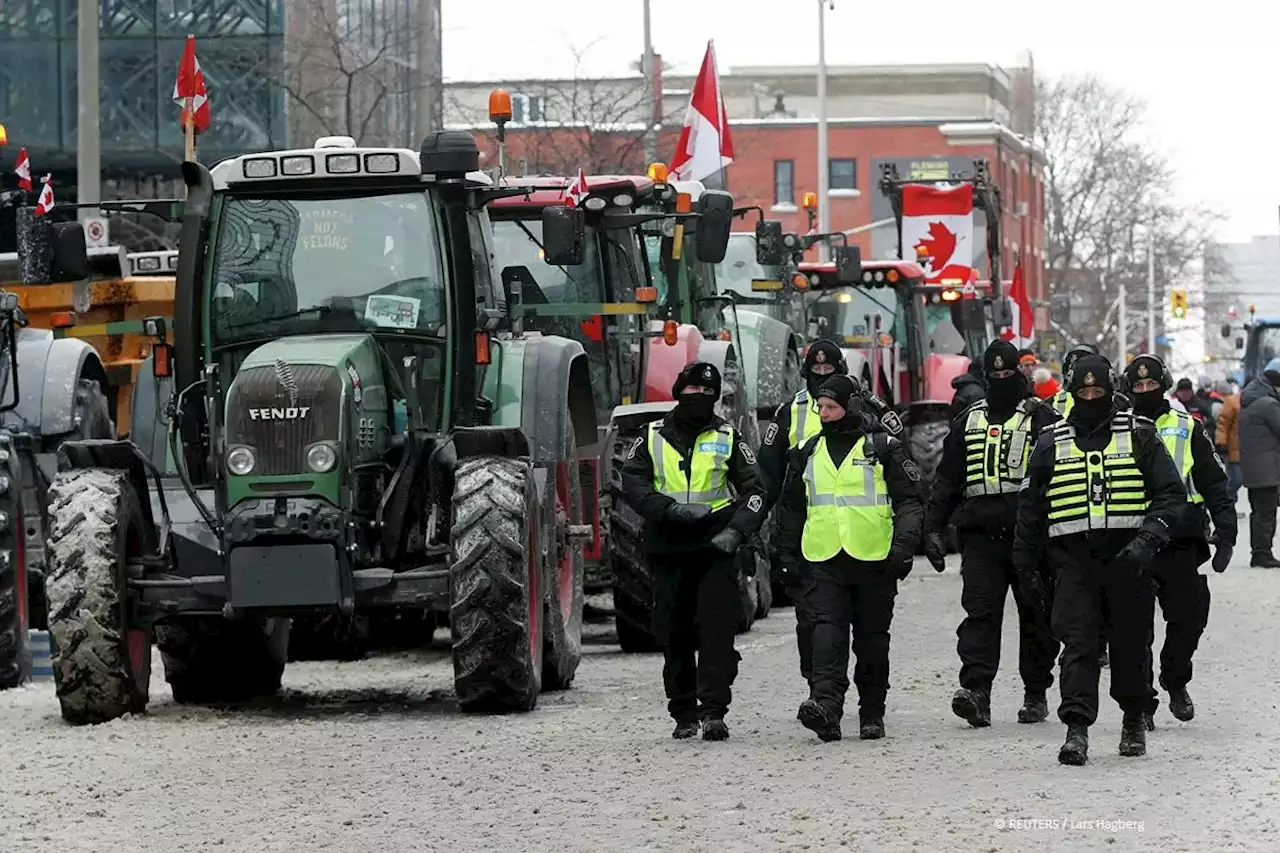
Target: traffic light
(1179, 300)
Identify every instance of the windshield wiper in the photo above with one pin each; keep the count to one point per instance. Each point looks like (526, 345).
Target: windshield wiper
(322, 309)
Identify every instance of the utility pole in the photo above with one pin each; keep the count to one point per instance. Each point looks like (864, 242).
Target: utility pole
(1151, 283)
(1123, 334)
(824, 175)
(650, 94)
(428, 107)
(88, 125)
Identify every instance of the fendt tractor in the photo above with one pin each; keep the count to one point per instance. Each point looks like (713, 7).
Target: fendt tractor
(1258, 342)
(345, 422)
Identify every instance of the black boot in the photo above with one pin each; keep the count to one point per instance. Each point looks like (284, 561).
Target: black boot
(1181, 706)
(714, 730)
(1133, 734)
(972, 706)
(685, 730)
(821, 721)
(1075, 750)
(1149, 720)
(1263, 561)
(871, 725)
(1035, 708)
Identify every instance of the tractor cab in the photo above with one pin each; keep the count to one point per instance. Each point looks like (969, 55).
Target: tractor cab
(1257, 340)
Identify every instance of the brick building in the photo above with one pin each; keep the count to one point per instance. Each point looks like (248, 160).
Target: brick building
(930, 121)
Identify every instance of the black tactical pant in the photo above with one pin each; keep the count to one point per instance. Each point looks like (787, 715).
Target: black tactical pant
(1183, 594)
(986, 571)
(696, 613)
(804, 628)
(1082, 588)
(842, 601)
(1262, 518)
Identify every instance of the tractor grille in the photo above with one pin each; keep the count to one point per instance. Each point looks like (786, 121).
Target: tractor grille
(264, 414)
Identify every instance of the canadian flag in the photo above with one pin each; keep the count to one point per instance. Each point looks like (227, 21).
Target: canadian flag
(44, 204)
(1023, 331)
(23, 170)
(577, 191)
(937, 228)
(705, 146)
(189, 90)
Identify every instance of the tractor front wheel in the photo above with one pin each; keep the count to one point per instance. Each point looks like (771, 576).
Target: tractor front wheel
(495, 613)
(209, 660)
(101, 668)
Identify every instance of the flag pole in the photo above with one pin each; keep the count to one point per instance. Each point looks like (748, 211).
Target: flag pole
(824, 177)
(189, 128)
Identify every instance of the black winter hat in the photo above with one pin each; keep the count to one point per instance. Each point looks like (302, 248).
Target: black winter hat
(840, 389)
(826, 351)
(1145, 366)
(1090, 371)
(701, 373)
(1000, 355)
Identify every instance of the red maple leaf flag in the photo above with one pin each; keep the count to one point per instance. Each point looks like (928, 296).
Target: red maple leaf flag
(578, 189)
(1023, 331)
(937, 231)
(44, 204)
(189, 89)
(23, 170)
(705, 146)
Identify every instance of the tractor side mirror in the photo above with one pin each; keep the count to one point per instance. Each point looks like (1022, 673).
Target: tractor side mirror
(715, 218)
(848, 264)
(70, 254)
(1226, 330)
(1001, 313)
(769, 251)
(564, 235)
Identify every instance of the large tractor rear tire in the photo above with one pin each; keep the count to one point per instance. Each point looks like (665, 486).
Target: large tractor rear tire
(209, 660)
(632, 576)
(101, 668)
(15, 657)
(565, 597)
(748, 591)
(495, 613)
(925, 443)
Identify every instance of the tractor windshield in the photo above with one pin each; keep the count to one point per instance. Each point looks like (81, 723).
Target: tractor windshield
(844, 313)
(518, 243)
(289, 265)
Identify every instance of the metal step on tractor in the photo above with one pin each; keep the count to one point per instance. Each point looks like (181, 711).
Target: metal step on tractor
(345, 423)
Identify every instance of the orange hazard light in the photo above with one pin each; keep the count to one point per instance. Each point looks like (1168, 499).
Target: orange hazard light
(499, 106)
(658, 173)
(162, 360)
(670, 333)
(62, 319)
(482, 347)
(646, 294)
(684, 203)
(809, 201)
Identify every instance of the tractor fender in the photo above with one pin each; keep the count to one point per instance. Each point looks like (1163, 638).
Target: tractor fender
(48, 369)
(939, 370)
(665, 362)
(718, 353)
(146, 413)
(556, 387)
(764, 343)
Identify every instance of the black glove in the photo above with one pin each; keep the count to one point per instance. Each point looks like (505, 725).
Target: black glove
(935, 551)
(727, 542)
(687, 513)
(1222, 556)
(900, 561)
(1136, 557)
(1036, 593)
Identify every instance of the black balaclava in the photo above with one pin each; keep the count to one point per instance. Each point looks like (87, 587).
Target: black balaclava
(842, 390)
(1003, 394)
(827, 352)
(1091, 371)
(1149, 404)
(696, 410)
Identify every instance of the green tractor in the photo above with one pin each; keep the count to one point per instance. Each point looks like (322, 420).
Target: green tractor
(346, 423)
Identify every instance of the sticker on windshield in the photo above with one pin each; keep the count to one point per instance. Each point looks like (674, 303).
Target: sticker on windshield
(394, 312)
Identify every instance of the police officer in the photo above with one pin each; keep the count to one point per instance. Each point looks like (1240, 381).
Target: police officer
(696, 485)
(1062, 401)
(1182, 591)
(851, 510)
(1101, 498)
(984, 460)
(793, 424)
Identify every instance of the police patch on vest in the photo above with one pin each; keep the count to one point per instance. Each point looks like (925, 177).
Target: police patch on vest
(631, 454)
(771, 433)
(754, 503)
(717, 447)
(913, 471)
(747, 454)
(1179, 432)
(892, 422)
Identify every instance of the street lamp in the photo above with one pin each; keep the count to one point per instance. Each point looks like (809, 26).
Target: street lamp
(4, 136)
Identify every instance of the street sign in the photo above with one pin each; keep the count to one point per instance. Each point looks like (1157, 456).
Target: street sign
(95, 232)
(1164, 340)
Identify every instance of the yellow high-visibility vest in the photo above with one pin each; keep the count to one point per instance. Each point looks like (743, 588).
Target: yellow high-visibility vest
(1098, 489)
(707, 482)
(805, 423)
(996, 455)
(1174, 429)
(848, 507)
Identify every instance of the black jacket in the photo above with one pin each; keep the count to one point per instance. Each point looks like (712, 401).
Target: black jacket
(990, 514)
(1210, 479)
(901, 478)
(775, 446)
(745, 514)
(1164, 488)
(970, 388)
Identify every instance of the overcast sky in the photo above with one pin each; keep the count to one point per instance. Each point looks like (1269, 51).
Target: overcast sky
(1210, 73)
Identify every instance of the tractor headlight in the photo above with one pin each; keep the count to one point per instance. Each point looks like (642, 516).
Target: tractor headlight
(240, 460)
(321, 458)
(4, 483)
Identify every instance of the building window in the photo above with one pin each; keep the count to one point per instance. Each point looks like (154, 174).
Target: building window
(843, 174)
(784, 189)
(526, 109)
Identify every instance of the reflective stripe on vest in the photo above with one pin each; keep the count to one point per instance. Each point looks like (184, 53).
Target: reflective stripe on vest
(1175, 429)
(1062, 402)
(805, 423)
(849, 506)
(996, 454)
(1097, 490)
(708, 480)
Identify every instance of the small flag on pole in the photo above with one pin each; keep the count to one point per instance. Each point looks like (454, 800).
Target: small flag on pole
(44, 204)
(23, 170)
(189, 90)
